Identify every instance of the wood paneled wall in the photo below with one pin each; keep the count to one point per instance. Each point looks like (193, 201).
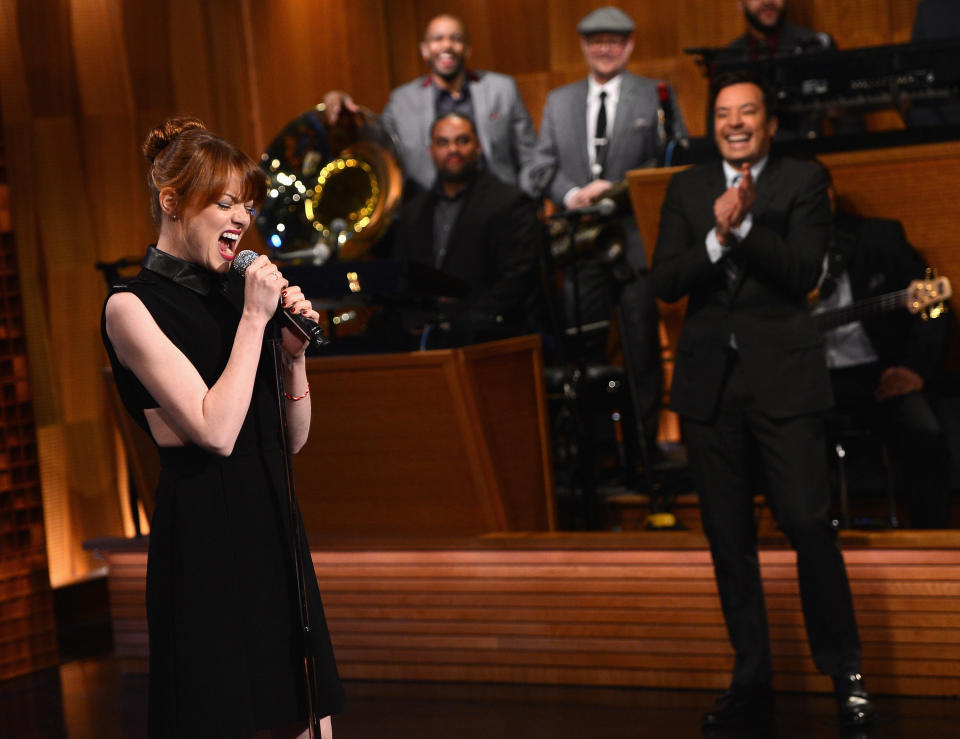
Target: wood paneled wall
(536, 41)
(81, 81)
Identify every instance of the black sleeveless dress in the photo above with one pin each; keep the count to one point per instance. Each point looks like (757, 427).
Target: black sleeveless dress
(226, 648)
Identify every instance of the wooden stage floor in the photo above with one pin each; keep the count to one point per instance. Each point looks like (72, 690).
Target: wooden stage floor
(599, 609)
(90, 698)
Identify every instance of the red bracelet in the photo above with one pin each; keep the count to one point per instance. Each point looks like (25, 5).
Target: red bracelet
(299, 397)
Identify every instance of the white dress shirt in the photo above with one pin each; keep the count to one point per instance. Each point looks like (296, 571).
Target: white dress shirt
(847, 345)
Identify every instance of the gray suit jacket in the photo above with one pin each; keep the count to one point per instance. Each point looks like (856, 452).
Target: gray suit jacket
(562, 144)
(503, 125)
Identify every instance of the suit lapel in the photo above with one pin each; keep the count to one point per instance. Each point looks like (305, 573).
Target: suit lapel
(578, 121)
(716, 183)
(766, 185)
(428, 110)
(623, 121)
(421, 235)
(481, 112)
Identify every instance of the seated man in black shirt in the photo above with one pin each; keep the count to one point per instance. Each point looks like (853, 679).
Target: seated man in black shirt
(476, 227)
(881, 367)
(769, 35)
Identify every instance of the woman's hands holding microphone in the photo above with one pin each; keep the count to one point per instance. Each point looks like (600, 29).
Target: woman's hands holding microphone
(265, 288)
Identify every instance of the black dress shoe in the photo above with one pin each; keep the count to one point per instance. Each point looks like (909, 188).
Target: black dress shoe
(854, 707)
(744, 709)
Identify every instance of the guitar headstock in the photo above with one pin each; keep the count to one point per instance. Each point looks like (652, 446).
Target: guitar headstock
(928, 296)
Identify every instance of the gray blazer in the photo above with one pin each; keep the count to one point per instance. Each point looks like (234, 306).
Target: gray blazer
(562, 144)
(503, 125)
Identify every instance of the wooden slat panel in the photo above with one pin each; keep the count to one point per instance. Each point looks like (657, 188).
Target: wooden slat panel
(656, 587)
(607, 617)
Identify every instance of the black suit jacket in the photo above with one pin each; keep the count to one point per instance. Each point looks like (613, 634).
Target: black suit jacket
(879, 259)
(494, 245)
(778, 263)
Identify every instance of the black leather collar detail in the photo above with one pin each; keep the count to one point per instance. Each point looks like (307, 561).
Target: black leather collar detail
(187, 274)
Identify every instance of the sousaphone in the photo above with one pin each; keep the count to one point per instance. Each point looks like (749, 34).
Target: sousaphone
(333, 188)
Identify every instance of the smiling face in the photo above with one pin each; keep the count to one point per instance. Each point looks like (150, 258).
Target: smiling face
(444, 47)
(741, 127)
(763, 15)
(209, 236)
(606, 54)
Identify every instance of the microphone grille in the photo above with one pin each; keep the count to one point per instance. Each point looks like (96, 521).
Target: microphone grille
(243, 260)
(606, 207)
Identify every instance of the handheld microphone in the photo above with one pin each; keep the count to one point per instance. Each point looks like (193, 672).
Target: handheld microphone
(603, 207)
(301, 325)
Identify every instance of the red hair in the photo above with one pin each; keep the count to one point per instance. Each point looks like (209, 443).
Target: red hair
(198, 166)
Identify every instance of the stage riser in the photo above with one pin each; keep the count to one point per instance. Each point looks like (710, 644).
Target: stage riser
(609, 617)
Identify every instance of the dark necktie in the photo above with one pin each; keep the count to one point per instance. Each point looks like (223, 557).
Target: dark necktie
(729, 265)
(600, 136)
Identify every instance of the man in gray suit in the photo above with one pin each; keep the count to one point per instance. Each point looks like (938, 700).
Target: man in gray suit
(491, 100)
(592, 132)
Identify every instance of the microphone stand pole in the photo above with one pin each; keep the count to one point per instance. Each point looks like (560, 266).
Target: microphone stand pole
(297, 535)
(586, 464)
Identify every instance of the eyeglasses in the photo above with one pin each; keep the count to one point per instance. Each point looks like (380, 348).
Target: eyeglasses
(615, 41)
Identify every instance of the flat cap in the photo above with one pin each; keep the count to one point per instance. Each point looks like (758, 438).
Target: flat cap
(607, 19)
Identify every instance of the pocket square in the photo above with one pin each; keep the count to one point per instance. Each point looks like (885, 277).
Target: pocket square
(639, 123)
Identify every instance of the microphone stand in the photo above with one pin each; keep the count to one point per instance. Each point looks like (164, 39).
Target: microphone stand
(586, 463)
(298, 537)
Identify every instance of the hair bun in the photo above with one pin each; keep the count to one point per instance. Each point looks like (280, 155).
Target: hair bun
(158, 139)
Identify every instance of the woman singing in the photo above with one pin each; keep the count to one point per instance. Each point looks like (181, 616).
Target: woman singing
(186, 341)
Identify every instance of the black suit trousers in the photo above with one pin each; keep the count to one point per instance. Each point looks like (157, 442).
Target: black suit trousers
(793, 467)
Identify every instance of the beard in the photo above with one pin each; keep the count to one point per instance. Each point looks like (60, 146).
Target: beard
(457, 177)
(755, 23)
(451, 75)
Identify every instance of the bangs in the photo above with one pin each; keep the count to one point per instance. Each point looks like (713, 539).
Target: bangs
(253, 184)
(215, 164)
